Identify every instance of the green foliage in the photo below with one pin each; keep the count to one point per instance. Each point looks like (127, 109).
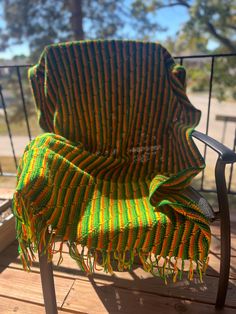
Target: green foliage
(224, 78)
(198, 75)
(198, 78)
(214, 19)
(42, 22)
(208, 19)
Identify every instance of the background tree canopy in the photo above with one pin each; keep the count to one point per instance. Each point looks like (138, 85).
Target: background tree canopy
(41, 22)
(208, 19)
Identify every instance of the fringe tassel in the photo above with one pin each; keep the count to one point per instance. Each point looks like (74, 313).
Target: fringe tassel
(89, 262)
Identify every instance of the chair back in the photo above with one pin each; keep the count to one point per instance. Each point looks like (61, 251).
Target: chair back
(124, 99)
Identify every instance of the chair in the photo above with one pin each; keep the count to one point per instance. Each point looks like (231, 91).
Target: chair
(111, 176)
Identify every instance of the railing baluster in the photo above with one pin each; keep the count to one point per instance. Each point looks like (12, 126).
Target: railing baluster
(208, 114)
(23, 101)
(8, 126)
(232, 165)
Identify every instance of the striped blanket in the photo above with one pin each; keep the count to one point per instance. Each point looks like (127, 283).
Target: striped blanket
(108, 177)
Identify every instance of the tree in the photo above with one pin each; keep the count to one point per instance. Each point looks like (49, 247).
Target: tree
(208, 19)
(41, 22)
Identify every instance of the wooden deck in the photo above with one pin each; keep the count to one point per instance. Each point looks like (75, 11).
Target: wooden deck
(128, 292)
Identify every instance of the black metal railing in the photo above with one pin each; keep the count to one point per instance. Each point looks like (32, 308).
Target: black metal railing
(17, 70)
(212, 58)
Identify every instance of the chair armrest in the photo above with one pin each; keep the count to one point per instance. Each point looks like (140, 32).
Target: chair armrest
(225, 154)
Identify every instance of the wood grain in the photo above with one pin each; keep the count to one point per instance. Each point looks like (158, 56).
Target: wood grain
(7, 232)
(110, 299)
(9, 306)
(27, 286)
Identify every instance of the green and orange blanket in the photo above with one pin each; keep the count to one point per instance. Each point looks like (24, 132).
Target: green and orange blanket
(108, 176)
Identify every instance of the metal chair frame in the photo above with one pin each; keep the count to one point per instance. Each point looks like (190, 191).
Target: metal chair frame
(226, 156)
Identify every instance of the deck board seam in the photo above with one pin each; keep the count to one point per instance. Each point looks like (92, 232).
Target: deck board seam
(39, 304)
(67, 294)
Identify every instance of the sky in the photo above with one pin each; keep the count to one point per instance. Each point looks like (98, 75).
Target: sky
(177, 15)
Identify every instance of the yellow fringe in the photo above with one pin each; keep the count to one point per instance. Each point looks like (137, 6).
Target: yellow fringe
(88, 262)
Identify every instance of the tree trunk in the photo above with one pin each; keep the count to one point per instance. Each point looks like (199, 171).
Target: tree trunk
(76, 19)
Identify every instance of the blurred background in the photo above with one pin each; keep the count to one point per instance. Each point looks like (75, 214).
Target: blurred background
(200, 34)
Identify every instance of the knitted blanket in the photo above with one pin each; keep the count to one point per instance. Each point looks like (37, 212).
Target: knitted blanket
(108, 178)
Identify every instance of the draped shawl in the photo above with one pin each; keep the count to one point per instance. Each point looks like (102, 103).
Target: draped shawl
(108, 177)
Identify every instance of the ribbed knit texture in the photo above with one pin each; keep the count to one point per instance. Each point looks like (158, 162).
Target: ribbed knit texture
(110, 173)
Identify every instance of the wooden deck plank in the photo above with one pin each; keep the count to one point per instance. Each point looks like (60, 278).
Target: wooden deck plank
(6, 193)
(134, 283)
(98, 298)
(27, 286)
(7, 232)
(142, 281)
(9, 306)
(194, 290)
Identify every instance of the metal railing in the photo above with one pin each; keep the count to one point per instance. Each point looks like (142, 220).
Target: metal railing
(212, 58)
(17, 69)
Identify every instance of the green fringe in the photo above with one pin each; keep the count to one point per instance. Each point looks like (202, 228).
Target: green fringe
(90, 260)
